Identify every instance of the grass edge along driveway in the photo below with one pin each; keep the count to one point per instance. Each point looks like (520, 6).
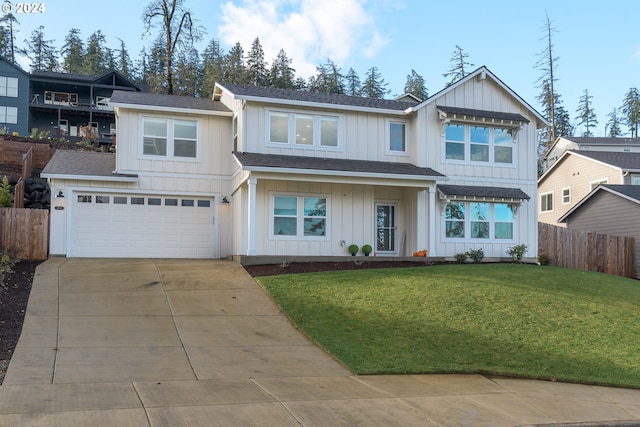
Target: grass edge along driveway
(494, 319)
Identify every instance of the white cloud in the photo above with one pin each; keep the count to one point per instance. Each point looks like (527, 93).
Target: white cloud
(309, 31)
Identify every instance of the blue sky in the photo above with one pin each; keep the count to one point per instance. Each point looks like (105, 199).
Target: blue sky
(597, 42)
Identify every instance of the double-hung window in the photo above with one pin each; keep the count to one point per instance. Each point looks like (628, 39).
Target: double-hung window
(478, 220)
(397, 137)
(170, 138)
(299, 217)
(8, 115)
(303, 129)
(566, 195)
(479, 143)
(9, 87)
(546, 202)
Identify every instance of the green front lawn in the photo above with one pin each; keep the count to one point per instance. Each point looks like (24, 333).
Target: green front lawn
(503, 319)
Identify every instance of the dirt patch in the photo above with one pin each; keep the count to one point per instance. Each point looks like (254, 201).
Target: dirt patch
(15, 288)
(312, 267)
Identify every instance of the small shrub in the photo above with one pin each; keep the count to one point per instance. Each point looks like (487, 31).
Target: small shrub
(461, 258)
(367, 249)
(38, 134)
(8, 260)
(353, 249)
(517, 252)
(6, 196)
(544, 259)
(476, 255)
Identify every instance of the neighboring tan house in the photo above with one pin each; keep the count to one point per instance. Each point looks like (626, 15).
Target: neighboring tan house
(562, 144)
(594, 213)
(576, 174)
(260, 171)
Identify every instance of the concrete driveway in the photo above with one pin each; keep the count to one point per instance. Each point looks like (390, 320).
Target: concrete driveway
(181, 342)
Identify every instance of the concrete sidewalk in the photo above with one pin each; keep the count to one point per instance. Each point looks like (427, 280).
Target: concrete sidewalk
(179, 342)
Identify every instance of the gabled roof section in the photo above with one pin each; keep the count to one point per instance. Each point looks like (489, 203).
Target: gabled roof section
(628, 192)
(298, 164)
(604, 141)
(168, 103)
(54, 75)
(11, 64)
(483, 73)
(115, 78)
(475, 192)
(626, 161)
(311, 99)
(84, 165)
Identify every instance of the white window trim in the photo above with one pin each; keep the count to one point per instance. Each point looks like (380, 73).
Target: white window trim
(170, 138)
(467, 146)
(387, 138)
(292, 130)
(300, 217)
(562, 192)
(593, 184)
(552, 201)
(467, 224)
(635, 179)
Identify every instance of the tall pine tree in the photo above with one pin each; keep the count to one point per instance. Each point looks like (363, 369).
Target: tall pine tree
(613, 125)
(212, 67)
(631, 111)
(73, 52)
(42, 52)
(459, 66)
(281, 74)
(352, 83)
(415, 86)
(374, 85)
(548, 97)
(586, 115)
(257, 73)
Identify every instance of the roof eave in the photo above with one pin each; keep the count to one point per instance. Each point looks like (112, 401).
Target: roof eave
(114, 178)
(323, 105)
(180, 110)
(273, 169)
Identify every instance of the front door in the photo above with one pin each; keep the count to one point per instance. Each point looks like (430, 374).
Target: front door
(386, 228)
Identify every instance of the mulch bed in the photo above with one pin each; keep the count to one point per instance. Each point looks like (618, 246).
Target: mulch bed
(312, 267)
(15, 288)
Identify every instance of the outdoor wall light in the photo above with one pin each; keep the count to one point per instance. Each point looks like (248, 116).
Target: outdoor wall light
(225, 200)
(60, 195)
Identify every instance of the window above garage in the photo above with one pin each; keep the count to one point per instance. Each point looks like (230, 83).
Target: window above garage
(169, 138)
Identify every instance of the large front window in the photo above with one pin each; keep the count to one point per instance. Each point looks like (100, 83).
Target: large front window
(299, 216)
(303, 129)
(171, 138)
(479, 143)
(478, 220)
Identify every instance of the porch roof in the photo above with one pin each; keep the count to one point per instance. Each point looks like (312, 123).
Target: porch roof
(474, 192)
(300, 164)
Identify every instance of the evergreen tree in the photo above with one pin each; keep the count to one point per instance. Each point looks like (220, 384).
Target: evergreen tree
(459, 67)
(374, 85)
(96, 58)
(213, 59)
(281, 74)
(415, 86)
(6, 195)
(73, 52)
(586, 115)
(327, 79)
(257, 73)
(123, 61)
(179, 31)
(631, 111)
(8, 33)
(188, 75)
(613, 125)
(234, 68)
(352, 83)
(41, 51)
(563, 126)
(548, 97)
(155, 75)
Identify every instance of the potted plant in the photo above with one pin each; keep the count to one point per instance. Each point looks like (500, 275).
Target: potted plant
(353, 249)
(366, 250)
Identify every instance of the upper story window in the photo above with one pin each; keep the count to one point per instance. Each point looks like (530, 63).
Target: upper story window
(546, 202)
(303, 129)
(478, 143)
(594, 184)
(566, 195)
(171, 138)
(9, 86)
(635, 180)
(397, 137)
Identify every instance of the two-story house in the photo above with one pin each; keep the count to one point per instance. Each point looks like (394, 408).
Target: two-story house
(14, 98)
(576, 143)
(261, 171)
(577, 173)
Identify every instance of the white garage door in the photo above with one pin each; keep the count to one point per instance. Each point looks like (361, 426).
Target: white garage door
(141, 226)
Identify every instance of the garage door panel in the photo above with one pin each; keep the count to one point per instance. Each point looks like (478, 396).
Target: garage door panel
(134, 225)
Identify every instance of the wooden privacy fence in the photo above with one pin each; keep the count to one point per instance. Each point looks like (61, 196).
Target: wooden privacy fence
(583, 250)
(25, 232)
(27, 167)
(11, 152)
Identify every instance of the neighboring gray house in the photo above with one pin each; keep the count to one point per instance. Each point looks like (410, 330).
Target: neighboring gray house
(562, 144)
(609, 209)
(577, 173)
(14, 98)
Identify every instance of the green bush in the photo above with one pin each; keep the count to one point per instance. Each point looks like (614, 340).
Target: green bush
(8, 260)
(476, 255)
(6, 196)
(461, 258)
(544, 259)
(367, 249)
(353, 249)
(517, 252)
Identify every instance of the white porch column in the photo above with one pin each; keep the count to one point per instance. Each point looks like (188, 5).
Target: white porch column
(432, 222)
(251, 220)
(422, 231)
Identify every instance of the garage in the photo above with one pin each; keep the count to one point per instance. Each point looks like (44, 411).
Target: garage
(128, 225)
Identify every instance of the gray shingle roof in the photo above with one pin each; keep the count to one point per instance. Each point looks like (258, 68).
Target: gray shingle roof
(632, 191)
(621, 159)
(321, 98)
(603, 141)
(82, 163)
(314, 163)
(480, 191)
(171, 101)
(482, 113)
